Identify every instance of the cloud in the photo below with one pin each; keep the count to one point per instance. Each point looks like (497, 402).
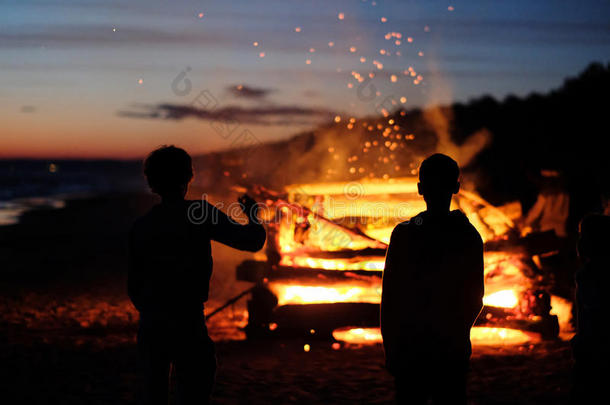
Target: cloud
(71, 35)
(245, 91)
(267, 115)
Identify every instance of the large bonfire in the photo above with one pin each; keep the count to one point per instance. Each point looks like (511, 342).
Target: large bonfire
(322, 268)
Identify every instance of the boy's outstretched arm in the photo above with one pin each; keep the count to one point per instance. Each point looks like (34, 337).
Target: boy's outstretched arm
(250, 237)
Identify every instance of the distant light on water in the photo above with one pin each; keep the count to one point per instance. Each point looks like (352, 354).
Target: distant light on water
(10, 211)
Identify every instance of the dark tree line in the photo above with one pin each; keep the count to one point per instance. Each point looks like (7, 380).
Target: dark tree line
(566, 130)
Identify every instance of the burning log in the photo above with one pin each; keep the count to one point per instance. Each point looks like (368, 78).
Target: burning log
(255, 271)
(298, 320)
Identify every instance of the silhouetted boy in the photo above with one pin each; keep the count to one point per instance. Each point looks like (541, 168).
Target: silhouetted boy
(432, 293)
(169, 275)
(592, 342)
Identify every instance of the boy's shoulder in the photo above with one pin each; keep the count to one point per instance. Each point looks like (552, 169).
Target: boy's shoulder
(413, 222)
(457, 220)
(408, 227)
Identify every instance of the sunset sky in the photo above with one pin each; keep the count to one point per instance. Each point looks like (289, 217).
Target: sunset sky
(99, 78)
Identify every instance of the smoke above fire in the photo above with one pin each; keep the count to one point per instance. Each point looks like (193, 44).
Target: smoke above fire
(440, 118)
(348, 149)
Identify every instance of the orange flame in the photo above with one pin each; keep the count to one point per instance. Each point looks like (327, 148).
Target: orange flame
(316, 294)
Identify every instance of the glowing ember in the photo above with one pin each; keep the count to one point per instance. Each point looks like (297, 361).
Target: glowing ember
(502, 299)
(332, 264)
(309, 294)
(480, 336)
(358, 335)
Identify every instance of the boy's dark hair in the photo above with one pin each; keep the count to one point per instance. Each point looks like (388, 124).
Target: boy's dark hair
(168, 169)
(439, 171)
(594, 236)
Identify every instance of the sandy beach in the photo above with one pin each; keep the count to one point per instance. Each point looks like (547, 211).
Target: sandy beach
(68, 330)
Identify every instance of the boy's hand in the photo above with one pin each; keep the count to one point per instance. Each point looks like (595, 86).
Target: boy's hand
(249, 207)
